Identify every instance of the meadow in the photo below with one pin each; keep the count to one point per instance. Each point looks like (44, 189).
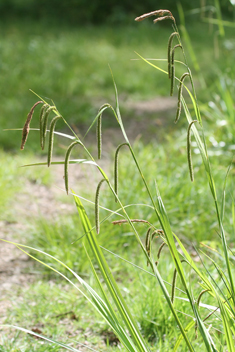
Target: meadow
(69, 66)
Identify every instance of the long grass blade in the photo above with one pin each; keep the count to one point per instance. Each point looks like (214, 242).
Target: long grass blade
(67, 347)
(224, 192)
(96, 301)
(181, 336)
(100, 112)
(37, 129)
(127, 342)
(118, 115)
(170, 304)
(175, 256)
(51, 139)
(228, 325)
(109, 280)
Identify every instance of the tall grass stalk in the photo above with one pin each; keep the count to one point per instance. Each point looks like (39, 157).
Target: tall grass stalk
(110, 302)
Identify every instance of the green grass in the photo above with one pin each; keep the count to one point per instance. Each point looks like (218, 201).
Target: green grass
(7, 183)
(192, 214)
(67, 314)
(190, 220)
(190, 208)
(10, 172)
(71, 64)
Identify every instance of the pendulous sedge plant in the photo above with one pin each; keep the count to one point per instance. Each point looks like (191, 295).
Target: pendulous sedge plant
(109, 302)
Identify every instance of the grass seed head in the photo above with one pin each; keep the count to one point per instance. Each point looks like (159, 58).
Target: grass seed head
(124, 221)
(44, 123)
(189, 155)
(51, 139)
(160, 13)
(164, 18)
(172, 80)
(173, 286)
(116, 167)
(200, 296)
(25, 130)
(160, 250)
(172, 67)
(97, 212)
(169, 51)
(99, 135)
(41, 118)
(147, 241)
(66, 164)
(180, 95)
(99, 128)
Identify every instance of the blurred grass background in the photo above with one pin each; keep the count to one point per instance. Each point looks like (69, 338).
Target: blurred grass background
(67, 61)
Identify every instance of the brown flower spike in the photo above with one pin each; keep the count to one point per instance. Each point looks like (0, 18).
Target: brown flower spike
(25, 131)
(159, 13)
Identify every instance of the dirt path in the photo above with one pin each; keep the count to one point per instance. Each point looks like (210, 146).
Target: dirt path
(35, 200)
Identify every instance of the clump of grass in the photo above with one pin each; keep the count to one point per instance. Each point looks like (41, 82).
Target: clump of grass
(107, 297)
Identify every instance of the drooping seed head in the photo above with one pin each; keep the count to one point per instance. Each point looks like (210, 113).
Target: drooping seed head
(173, 286)
(147, 241)
(66, 163)
(164, 18)
(169, 51)
(153, 13)
(44, 123)
(25, 130)
(190, 164)
(125, 221)
(173, 53)
(172, 68)
(172, 80)
(51, 139)
(160, 232)
(116, 167)
(99, 135)
(160, 249)
(159, 252)
(99, 127)
(180, 95)
(97, 212)
(41, 118)
(200, 296)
